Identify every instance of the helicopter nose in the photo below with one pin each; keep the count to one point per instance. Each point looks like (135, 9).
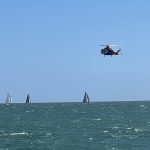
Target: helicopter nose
(102, 51)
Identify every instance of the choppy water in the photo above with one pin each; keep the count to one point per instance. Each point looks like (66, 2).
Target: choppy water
(75, 126)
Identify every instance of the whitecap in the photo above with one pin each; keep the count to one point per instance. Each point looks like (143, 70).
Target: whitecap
(20, 133)
(75, 110)
(137, 130)
(115, 127)
(98, 119)
(27, 111)
(15, 133)
(75, 121)
(141, 105)
(90, 139)
(48, 134)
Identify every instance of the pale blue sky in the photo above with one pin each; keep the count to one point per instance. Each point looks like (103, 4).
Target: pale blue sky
(49, 49)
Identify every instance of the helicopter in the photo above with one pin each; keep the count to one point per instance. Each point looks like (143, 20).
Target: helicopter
(107, 50)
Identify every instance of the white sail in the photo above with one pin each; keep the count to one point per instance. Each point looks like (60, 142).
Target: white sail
(8, 99)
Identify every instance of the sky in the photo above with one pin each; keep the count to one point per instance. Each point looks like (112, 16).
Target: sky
(50, 49)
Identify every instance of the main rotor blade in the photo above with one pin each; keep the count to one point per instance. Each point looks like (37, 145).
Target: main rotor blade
(113, 45)
(104, 45)
(108, 45)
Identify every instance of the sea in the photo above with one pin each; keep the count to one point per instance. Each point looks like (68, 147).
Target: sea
(75, 126)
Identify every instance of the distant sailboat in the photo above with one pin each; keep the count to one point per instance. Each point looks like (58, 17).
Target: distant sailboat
(28, 99)
(8, 100)
(86, 98)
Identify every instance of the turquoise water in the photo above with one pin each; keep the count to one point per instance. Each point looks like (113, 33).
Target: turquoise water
(75, 126)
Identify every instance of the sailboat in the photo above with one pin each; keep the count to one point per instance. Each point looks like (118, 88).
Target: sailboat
(28, 99)
(8, 100)
(86, 98)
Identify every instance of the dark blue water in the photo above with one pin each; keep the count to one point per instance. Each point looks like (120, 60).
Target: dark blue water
(75, 126)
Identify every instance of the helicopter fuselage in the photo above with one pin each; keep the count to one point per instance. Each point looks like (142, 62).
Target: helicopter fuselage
(110, 52)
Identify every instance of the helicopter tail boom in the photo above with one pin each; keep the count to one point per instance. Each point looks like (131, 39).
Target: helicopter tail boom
(118, 51)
